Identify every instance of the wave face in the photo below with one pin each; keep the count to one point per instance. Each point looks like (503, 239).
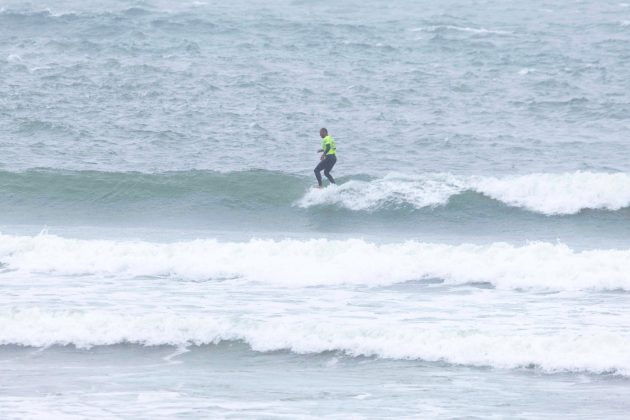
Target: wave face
(201, 193)
(592, 350)
(538, 265)
(54, 187)
(195, 198)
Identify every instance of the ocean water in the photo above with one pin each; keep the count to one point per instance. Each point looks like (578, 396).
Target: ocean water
(163, 253)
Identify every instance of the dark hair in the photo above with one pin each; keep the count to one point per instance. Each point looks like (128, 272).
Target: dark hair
(324, 130)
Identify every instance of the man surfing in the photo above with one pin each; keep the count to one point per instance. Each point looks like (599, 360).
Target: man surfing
(328, 158)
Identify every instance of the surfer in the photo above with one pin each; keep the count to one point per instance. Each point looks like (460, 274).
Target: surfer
(328, 158)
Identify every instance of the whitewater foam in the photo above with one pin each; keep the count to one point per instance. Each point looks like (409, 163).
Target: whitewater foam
(546, 193)
(589, 350)
(390, 191)
(298, 263)
(436, 28)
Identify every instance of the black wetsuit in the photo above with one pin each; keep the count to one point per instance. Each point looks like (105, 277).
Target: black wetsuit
(326, 165)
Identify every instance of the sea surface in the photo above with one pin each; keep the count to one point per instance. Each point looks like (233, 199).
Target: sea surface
(163, 253)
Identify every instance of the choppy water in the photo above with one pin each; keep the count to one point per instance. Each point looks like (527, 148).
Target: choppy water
(162, 252)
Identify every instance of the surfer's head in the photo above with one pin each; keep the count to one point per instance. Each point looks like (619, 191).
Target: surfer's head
(323, 132)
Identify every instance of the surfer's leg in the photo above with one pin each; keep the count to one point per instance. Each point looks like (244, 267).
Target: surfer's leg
(318, 169)
(330, 162)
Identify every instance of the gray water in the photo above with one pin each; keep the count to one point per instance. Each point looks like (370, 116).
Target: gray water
(481, 87)
(163, 253)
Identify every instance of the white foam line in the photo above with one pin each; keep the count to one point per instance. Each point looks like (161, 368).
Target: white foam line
(300, 263)
(588, 350)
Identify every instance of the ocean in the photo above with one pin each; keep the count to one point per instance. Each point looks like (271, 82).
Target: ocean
(164, 253)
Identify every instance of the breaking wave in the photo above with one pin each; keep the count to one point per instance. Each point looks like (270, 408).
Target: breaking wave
(589, 350)
(550, 194)
(314, 262)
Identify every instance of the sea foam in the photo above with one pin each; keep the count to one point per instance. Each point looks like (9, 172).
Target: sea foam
(588, 350)
(298, 263)
(546, 193)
